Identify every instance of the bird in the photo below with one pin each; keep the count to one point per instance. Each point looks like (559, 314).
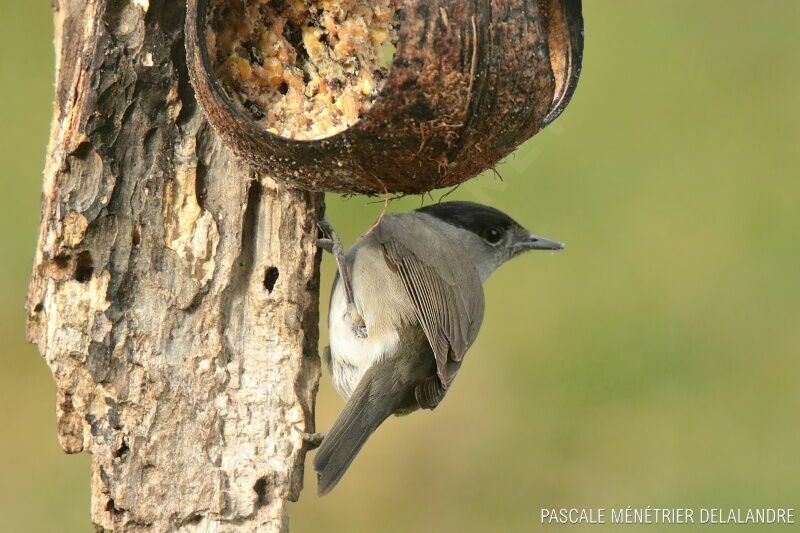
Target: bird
(406, 304)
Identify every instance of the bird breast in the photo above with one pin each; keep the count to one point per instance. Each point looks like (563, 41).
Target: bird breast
(386, 309)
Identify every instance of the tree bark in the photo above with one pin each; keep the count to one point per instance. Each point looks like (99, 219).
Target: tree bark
(174, 292)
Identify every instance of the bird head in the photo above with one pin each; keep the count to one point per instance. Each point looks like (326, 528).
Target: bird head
(489, 236)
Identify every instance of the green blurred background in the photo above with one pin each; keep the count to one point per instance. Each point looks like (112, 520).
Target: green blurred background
(655, 362)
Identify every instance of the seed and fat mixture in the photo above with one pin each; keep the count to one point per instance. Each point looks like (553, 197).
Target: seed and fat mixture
(303, 69)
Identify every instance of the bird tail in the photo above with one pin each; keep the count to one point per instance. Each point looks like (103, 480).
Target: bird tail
(367, 408)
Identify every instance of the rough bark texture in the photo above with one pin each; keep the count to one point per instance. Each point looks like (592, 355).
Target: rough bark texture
(174, 292)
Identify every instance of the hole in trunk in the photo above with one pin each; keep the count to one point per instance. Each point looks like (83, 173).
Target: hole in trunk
(112, 508)
(61, 261)
(84, 267)
(260, 489)
(270, 278)
(122, 450)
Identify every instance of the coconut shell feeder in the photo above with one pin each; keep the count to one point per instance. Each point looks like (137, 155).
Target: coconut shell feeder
(466, 84)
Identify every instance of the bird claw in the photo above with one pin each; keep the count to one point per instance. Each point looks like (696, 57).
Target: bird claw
(357, 322)
(329, 234)
(326, 244)
(330, 241)
(312, 441)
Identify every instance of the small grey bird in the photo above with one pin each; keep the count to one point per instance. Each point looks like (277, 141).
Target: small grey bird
(406, 305)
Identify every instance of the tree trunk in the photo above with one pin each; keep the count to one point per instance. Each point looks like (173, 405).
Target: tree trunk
(174, 293)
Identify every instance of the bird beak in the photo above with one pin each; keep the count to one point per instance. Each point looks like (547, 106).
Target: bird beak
(534, 242)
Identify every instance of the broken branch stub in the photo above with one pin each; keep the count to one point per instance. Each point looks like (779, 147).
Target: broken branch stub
(381, 96)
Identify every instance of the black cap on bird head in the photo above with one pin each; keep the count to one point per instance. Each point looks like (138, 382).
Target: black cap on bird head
(488, 223)
(471, 216)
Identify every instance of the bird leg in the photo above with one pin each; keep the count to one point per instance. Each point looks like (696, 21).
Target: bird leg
(331, 243)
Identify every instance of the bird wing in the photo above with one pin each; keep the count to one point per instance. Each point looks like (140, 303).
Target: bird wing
(442, 282)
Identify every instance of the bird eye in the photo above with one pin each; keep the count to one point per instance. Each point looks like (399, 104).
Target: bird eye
(493, 235)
